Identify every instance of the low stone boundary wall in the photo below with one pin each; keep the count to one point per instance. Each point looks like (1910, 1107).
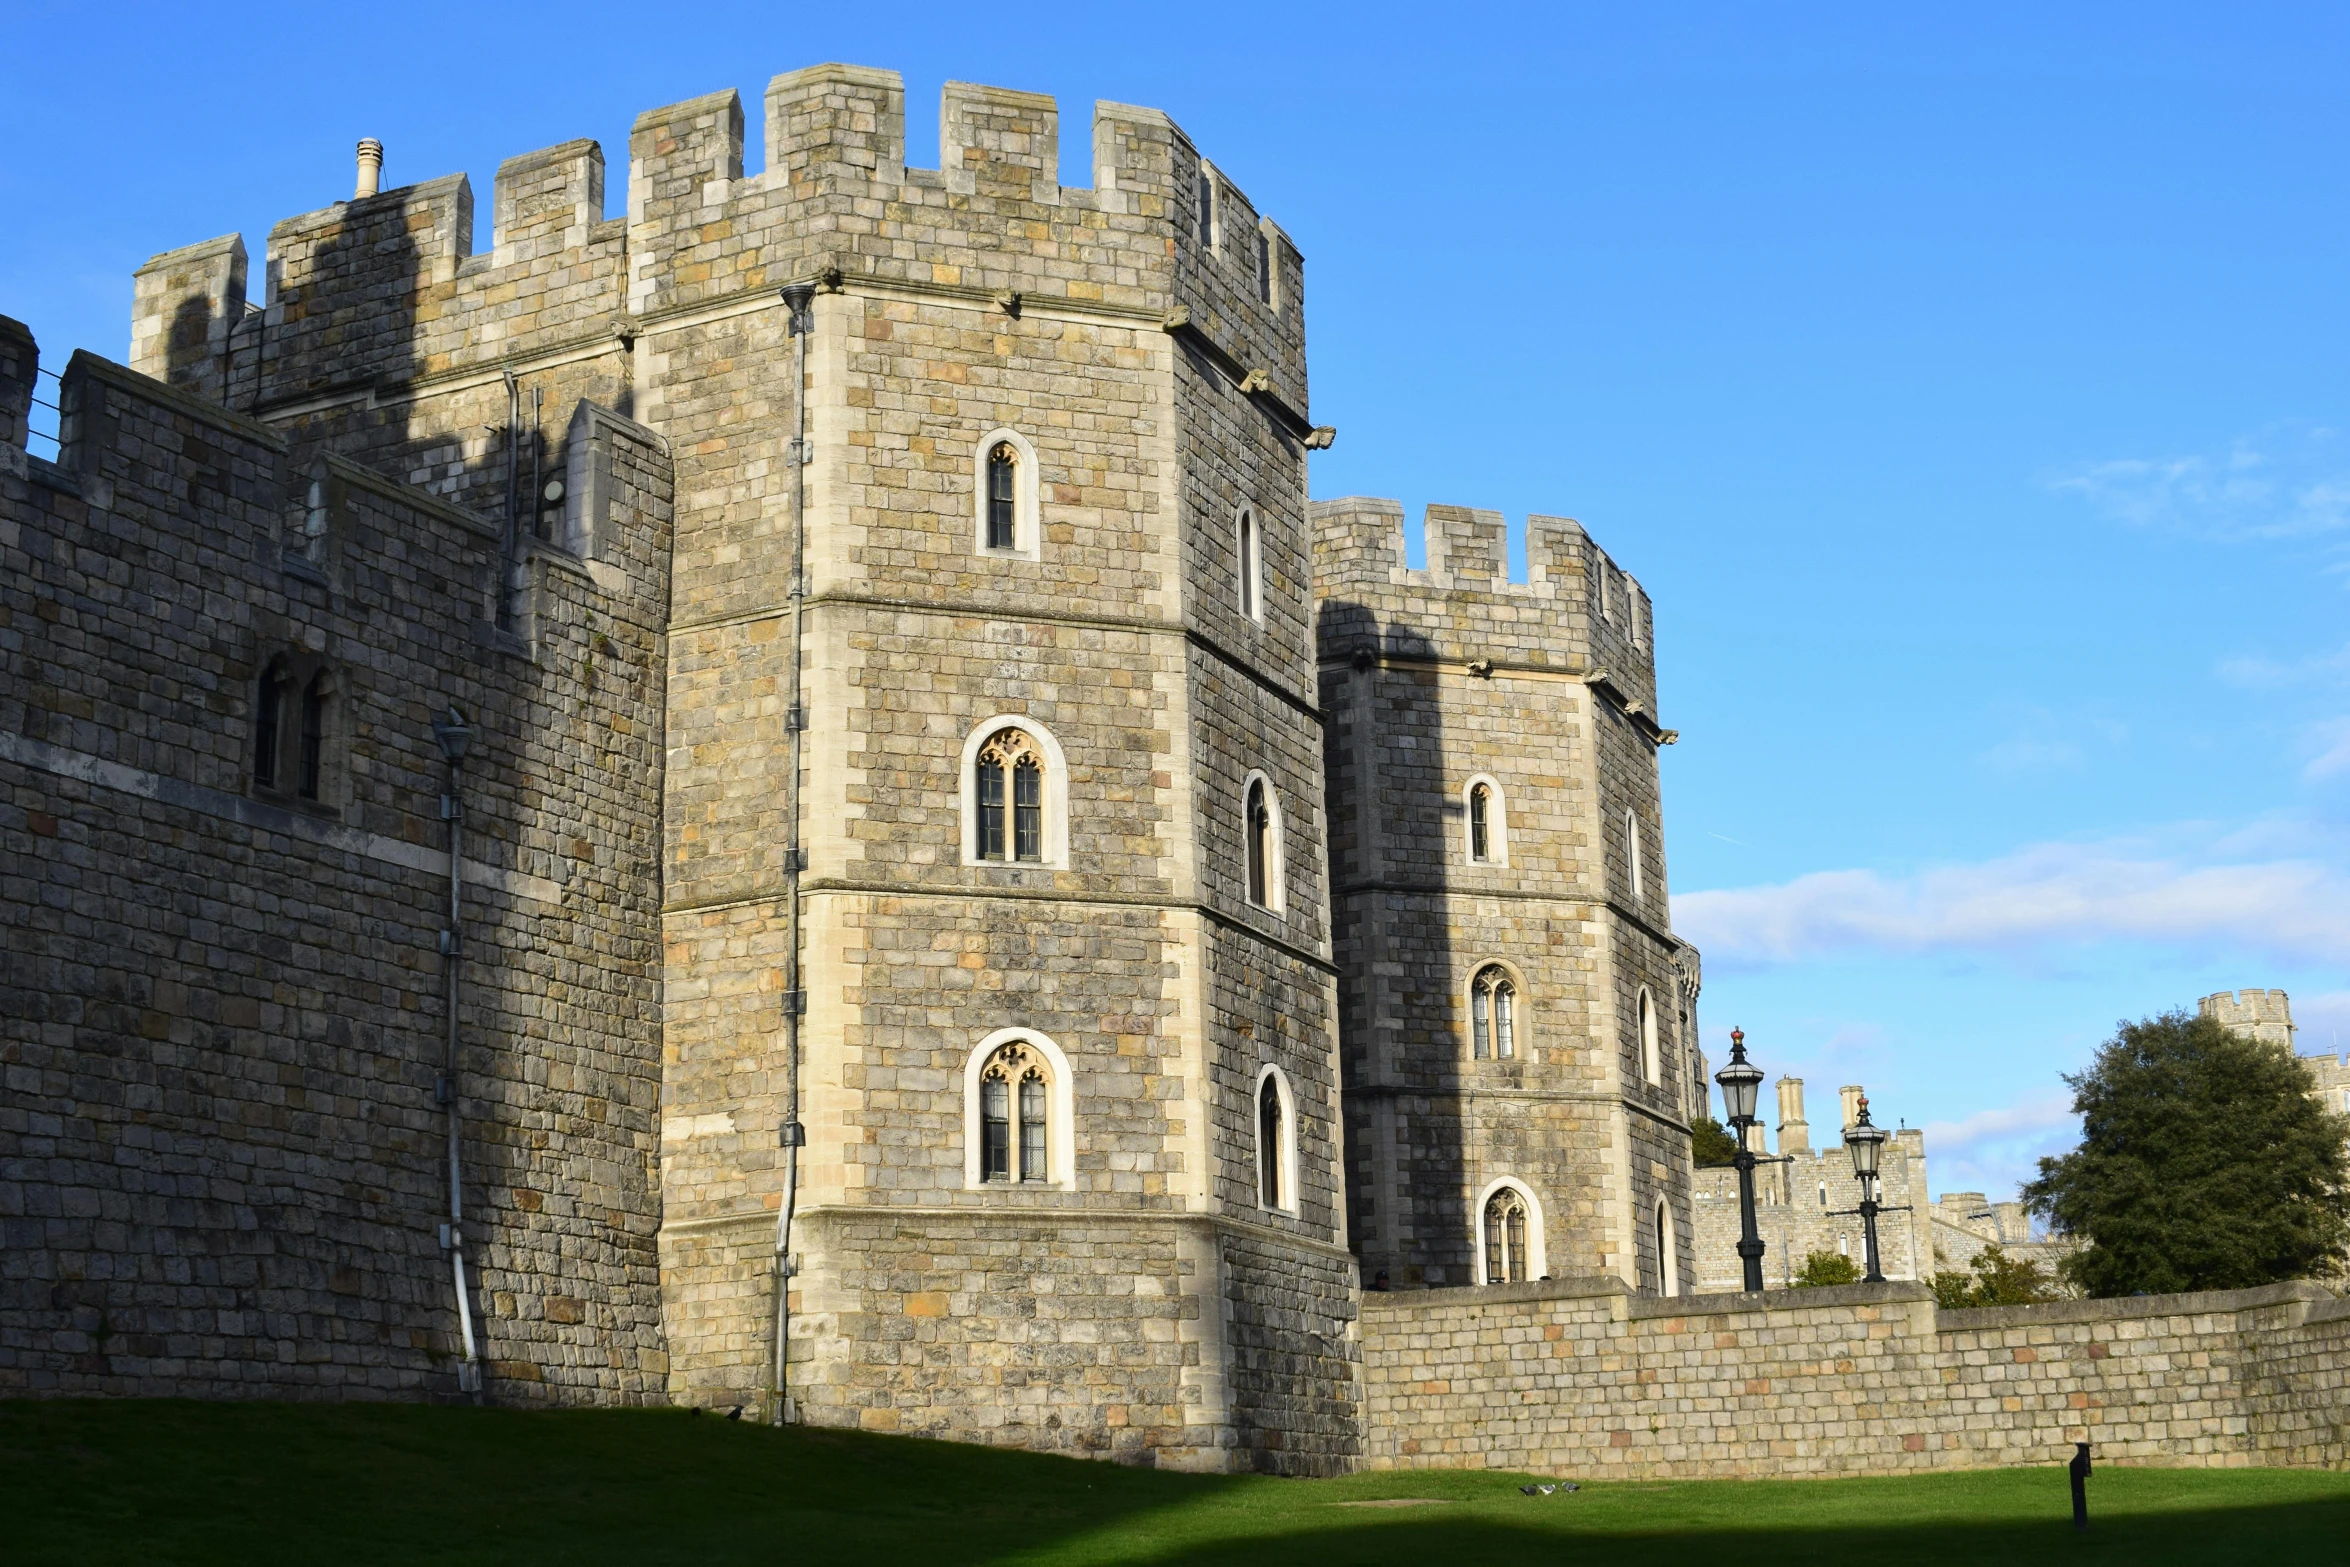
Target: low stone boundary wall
(1581, 1376)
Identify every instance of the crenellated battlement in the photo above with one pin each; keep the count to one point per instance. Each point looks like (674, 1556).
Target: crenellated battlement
(379, 295)
(1576, 612)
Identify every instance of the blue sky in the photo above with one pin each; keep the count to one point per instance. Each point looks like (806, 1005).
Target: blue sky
(1967, 386)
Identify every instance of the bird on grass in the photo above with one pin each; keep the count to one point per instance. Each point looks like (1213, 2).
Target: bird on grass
(736, 1413)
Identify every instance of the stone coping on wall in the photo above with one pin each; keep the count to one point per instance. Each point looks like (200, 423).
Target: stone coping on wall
(2321, 1304)
(2318, 1303)
(1641, 1307)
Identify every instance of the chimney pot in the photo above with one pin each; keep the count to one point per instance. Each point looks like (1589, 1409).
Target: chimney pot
(371, 167)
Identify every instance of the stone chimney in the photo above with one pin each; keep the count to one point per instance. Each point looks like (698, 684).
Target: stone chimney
(1794, 1131)
(1851, 1093)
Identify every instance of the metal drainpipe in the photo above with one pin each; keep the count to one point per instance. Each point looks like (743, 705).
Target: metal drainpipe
(798, 297)
(454, 735)
(505, 617)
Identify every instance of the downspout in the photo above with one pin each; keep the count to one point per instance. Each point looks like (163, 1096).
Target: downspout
(505, 618)
(798, 297)
(454, 735)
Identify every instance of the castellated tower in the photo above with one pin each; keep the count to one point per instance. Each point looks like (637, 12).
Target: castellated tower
(2265, 1015)
(992, 859)
(1518, 1024)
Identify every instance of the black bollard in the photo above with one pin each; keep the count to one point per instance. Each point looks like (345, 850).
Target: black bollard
(2080, 1468)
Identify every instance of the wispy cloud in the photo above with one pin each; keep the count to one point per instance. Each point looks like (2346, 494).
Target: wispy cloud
(2050, 894)
(2329, 742)
(1993, 1151)
(2287, 482)
(2259, 671)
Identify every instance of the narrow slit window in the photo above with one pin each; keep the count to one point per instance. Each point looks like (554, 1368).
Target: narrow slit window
(1248, 563)
(1651, 1055)
(1269, 1144)
(313, 735)
(995, 1128)
(1032, 1127)
(1260, 844)
(1264, 268)
(1632, 852)
(1027, 810)
(266, 715)
(991, 805)
(1481, 824)
(1003, 491)
(1207, 208)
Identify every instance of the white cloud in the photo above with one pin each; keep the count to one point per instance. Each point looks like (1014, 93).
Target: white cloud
(2050, 894)
(2288, 482)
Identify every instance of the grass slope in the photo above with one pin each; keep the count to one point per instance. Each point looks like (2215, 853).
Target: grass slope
(350, 1484)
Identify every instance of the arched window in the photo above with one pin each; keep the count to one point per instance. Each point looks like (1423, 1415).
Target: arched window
(1486, 813)
(1003, 496)
(1010, 788)
(1668, 1252)
(1269, 1144)
(1651, 1057)
(1505, 1237)
(1004, 490)
(1017, 1097)
(1276, 1113)
(1015, 796)
(1252, 603)
(1493, 1014)
(1632, 852)
(1261, 828)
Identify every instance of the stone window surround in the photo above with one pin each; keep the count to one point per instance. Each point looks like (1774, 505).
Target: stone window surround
(1668, 1249)
(1537, 1255)
(292, 669)
(1276, 860)
(1056, 793)
(1497, 822)
(1632, 876)
(1522, 1014)
(1027, 521)
(1288, 1152)
(1061, 1134)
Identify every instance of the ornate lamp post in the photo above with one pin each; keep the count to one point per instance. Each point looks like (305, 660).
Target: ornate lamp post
(1741, 1081)
(1866, 1143)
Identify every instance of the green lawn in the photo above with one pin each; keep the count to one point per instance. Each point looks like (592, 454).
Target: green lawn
(153, 1483)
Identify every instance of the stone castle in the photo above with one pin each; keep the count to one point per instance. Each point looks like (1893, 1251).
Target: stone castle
(978, 908)
(784, 802)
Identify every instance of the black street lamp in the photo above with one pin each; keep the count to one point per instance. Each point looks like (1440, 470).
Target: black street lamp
(1741, 1082)
(1866, 1143)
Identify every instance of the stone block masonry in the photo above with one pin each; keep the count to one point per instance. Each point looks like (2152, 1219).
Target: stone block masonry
(1581, 1377)
(223, 1012)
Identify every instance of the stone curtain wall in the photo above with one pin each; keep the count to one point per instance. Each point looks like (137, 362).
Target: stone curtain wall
(222, 1016)
(1580, 1377)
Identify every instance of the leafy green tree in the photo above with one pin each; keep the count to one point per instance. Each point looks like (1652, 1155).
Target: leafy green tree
(2205, 1163)
(1826, 1267)
(1710, 1143)
(1996, 1280)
